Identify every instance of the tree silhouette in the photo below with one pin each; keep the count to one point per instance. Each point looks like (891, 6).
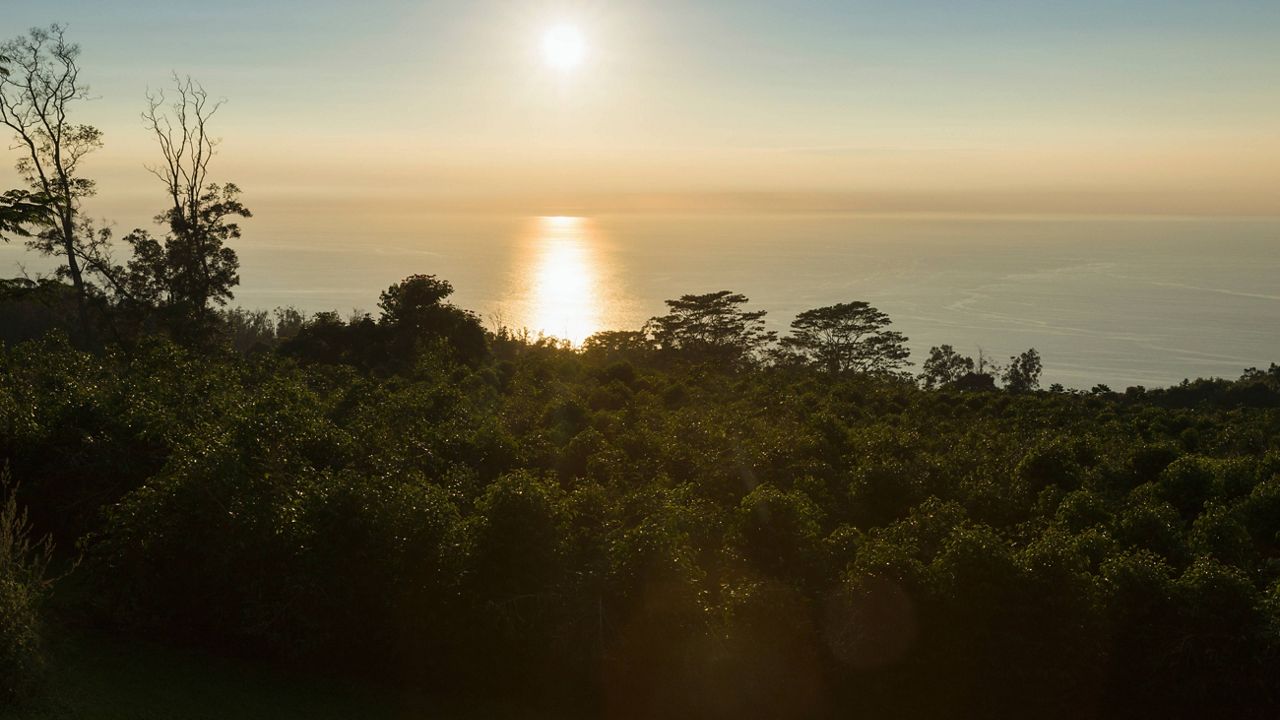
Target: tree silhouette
(19, 209)
(944, 367)
(1023, 372)
(414, 311)
(38, 89)
(414, 300)
(191, 270)
(617, 345)
(711, 327)
(848, 337)
(414, 318)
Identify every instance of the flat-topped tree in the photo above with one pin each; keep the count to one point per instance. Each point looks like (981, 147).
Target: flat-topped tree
(848, 337)
(711, 327)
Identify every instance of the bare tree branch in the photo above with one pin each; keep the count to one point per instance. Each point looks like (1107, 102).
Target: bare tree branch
(39, 85)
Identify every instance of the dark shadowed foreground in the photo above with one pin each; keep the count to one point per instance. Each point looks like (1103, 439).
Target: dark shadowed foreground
(684, 521)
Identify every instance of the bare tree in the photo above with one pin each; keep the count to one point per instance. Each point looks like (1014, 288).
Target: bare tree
(185, 144)
(193, 268)
(38, 87)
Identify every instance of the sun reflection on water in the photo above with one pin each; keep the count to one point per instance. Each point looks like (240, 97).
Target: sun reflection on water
(561, 274)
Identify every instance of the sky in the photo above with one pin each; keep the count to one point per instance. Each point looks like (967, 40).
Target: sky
(969, 106)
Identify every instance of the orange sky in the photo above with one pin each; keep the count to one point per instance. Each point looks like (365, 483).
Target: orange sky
(400, 108)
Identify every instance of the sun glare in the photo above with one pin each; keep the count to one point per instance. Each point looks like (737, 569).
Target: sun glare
(565, 294)
(563, 47)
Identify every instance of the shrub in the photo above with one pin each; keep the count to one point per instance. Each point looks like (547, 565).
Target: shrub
(22, 587)
(779, 533)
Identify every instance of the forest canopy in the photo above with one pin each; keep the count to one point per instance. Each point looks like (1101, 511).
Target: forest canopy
(638, 528)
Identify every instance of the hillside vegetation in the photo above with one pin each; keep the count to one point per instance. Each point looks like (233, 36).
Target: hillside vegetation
(664, 527)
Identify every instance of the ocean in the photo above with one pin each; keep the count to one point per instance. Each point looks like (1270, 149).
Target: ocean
(1115, 300)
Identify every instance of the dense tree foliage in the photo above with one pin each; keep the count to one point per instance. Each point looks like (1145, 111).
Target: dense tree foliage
(19, 209)
(1022, 374)
(23, 561)
(711, 328)
(607, 531)
(944, 367)
(848, 337)
(414, 315)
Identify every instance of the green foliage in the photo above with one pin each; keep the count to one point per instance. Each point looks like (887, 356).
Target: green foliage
(23, 560)
(514, 539)
(192, 268)
(1023, 372)
(18, 210)
(413, 300)
(944, 367)
(175, 283)
(1187, 483)
(615, 345)
(30, 309)
(414, 319)
(620, 531)
(780, 534)
(711, 328)
(39, 90)
(849, 337)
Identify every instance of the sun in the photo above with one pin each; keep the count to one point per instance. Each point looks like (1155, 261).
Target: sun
(563, 47)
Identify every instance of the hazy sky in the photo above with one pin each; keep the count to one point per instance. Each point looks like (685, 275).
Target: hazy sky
(1105, 106)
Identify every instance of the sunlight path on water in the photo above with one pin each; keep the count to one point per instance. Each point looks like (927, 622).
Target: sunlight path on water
(561, 288)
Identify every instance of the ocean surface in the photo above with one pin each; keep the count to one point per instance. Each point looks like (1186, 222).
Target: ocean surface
(1121, 301)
